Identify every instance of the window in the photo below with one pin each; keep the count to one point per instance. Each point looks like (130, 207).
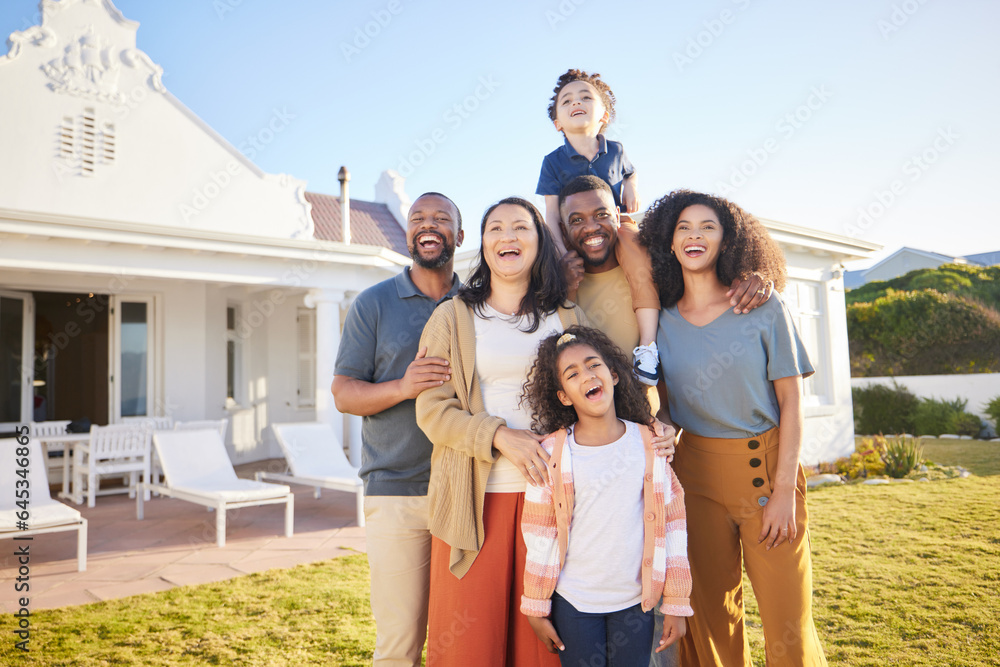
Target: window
(805, 301)
(234, 357)
(305, 336)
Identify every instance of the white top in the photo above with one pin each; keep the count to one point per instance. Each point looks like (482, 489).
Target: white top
(504, 354)
(603, 571)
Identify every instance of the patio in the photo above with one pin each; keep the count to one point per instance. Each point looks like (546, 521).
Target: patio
(175, 546)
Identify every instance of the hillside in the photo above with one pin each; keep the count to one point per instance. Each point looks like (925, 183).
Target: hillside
(928, 322)
(971, 282)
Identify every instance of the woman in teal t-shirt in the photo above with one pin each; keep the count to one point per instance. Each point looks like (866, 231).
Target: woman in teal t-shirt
(733, 383)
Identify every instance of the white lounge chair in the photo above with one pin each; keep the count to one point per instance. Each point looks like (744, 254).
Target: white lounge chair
(197, 469)
(316, 458)
(112, 450)
(221, 425)
(44, 514)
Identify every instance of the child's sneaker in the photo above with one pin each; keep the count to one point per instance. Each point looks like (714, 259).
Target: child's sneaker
(646, 364)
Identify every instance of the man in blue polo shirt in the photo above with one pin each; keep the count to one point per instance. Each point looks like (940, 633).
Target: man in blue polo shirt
(378, 374)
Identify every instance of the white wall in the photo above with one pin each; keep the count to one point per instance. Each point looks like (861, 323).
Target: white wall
(828, 430)
(978, 388)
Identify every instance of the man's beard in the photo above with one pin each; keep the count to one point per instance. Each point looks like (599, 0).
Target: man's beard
(447, 252)
(590, 261)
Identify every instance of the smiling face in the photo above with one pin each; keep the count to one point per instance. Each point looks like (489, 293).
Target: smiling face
(697, 241)
(587, 381)
(579, 110)
(510, 242)
(432, 231)
(590, 220)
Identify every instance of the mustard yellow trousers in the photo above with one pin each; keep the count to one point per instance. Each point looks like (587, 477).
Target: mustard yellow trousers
(727, 483)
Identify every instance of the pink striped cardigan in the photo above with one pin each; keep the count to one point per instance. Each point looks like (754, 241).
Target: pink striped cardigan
(545, 524)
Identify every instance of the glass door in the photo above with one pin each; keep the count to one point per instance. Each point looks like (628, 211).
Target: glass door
(132, 368)
(16, 359)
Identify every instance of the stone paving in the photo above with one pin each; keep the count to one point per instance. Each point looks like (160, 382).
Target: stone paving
(175, 546)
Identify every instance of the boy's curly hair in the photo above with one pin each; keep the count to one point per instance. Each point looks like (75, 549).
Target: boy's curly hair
(747, 247)
(603, 89)
(548, 414)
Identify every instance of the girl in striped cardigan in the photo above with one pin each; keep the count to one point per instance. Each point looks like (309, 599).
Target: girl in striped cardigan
(590, 583)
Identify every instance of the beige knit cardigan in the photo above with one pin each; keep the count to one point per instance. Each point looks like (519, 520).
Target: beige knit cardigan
(455, 420)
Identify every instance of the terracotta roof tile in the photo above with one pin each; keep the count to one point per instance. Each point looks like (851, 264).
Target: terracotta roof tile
(371, 223)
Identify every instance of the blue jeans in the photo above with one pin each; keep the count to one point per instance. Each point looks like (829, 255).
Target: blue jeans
(619, 639)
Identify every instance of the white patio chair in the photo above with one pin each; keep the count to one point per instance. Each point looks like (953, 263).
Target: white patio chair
(316, 458)
(44, 514)
(52, 464)
(112, 450)
(197, 469)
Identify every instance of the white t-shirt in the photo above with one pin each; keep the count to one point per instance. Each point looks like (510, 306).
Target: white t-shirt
(504, 354)
(603, 570)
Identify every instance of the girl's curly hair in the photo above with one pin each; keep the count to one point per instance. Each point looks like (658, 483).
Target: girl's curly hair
(603, 89)
(548, 414)
(747, 247)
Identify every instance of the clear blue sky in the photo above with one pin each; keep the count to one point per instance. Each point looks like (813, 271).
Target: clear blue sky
(808, 111)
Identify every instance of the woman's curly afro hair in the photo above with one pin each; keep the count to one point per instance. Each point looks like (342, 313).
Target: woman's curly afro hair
(747, 247)
(603, 89)
(548, 414)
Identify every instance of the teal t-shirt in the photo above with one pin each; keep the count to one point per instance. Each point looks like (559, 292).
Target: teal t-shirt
(719, 376)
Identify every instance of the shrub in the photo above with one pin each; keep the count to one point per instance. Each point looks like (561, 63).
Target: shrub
(866, 461)
(974, 282)
(967, 423)
(901, 455)
(992, 408)
(879, 408)
(879, 455)
(934, 417)
(922, 333)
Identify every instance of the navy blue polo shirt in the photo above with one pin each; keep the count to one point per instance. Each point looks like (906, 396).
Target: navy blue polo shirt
(564, 164)
(380, 339)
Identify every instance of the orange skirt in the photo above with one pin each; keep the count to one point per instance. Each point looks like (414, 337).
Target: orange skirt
(476, 620)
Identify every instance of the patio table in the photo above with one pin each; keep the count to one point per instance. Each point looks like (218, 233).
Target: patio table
(68, 440)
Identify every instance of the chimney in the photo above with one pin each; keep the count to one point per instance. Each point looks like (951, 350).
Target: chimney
(345, 202)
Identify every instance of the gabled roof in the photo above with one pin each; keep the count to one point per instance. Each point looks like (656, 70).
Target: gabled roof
(945, 259)
(985, 258)
(371, 223)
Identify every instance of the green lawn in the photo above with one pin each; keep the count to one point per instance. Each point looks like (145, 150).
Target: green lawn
(904, 574)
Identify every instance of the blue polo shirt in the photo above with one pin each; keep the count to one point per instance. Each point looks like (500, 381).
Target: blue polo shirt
(564, 164)
(380, 339)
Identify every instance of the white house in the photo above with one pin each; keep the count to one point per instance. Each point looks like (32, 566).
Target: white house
(907, 259)
(147, 267)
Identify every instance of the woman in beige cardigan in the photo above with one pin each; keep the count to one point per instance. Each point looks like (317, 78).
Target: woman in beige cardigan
(484, 452)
